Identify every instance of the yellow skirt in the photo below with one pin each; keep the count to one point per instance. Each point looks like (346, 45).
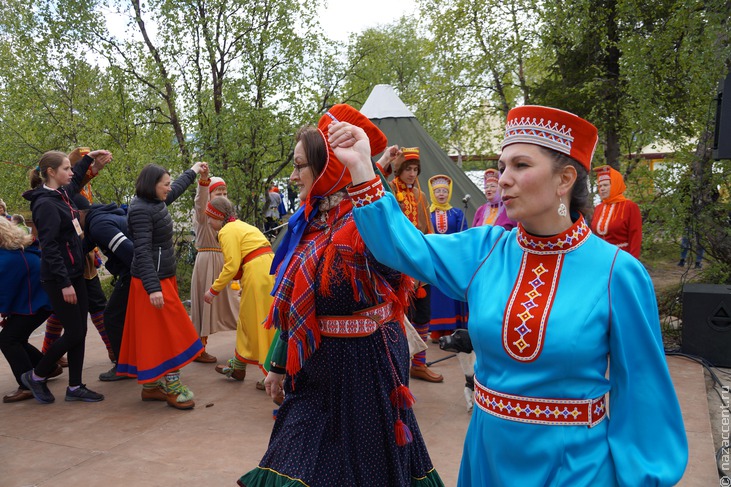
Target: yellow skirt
(252, 339)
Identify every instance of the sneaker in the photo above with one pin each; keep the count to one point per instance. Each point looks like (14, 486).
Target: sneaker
(681, 263)
(83, 394)
(111, 375)
(698, 265)
(37, 387)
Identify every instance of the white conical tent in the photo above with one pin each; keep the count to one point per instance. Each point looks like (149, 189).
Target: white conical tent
(385, 109)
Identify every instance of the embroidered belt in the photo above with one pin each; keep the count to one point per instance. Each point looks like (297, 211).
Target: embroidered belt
(360, 324)
(209, 249)
(578, 412)
(256, 253)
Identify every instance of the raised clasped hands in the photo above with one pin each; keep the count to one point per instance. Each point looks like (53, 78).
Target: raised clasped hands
(389, 155)
(352, 147)
(199, 166)
(101, 157)
(205, 171)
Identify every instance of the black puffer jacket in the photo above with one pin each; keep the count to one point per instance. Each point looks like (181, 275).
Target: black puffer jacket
(151, 229)
(106, 228)
(62, 258)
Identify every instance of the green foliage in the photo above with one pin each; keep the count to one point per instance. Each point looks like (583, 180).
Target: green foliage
(230, 81)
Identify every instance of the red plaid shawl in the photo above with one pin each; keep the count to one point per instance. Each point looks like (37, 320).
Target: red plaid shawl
(344, 254)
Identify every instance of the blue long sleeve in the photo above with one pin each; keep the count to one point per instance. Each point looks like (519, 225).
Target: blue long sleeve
(395, 242)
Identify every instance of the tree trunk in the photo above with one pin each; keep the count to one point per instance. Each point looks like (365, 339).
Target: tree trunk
(169, 93)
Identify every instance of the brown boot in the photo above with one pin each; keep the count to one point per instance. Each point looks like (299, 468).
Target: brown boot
(56, 372)
(63, 362)
(424, 373)
(229, 371)
(206, 358)
(156, 394)
(179, 396)
(19, 395)
(172, 400)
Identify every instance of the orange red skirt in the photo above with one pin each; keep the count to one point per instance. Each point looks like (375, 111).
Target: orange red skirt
(156, 341)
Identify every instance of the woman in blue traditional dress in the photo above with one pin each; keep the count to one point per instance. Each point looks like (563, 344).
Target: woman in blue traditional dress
(342, 355)
(569, 320)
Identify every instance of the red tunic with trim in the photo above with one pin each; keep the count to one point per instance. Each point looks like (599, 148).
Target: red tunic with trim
(619, 224)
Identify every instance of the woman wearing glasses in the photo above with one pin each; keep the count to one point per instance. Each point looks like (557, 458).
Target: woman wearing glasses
(342, 356)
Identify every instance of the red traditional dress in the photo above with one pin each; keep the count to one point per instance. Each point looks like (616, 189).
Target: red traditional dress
(617, 219)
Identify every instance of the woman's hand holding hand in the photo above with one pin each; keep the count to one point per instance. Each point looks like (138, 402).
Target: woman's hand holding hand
(101, 158)
(157, 300)
(198, 167)
(205, 171)
(353, 149)
(389, 155)
(208, 297)
(69, 294)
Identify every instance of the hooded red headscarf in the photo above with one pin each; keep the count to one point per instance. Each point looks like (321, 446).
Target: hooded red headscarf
(335, 176)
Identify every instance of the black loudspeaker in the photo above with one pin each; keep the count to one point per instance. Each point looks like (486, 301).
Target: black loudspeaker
(722, 134)
(707, 322)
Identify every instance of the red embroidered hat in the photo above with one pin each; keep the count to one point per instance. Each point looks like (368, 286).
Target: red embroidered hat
(440, 180)
(603, 173)
(214, 213)
(616, 181)
(491, 175)
(216, 182)
(555, 129)
(410, 155)
(77, 154)
(335, 175)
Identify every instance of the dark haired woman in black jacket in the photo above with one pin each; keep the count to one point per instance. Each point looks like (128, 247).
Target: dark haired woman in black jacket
(159, 337)
(59, 232)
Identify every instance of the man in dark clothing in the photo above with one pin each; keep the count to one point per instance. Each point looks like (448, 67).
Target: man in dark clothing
(105, 226)
(291, 196)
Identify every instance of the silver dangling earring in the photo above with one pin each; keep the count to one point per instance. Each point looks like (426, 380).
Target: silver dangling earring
(562, 211)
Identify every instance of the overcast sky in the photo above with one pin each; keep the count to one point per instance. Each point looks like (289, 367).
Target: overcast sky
(342, 18)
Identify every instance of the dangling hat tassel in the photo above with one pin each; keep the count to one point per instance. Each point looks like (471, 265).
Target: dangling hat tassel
(421, 292)
(403, 433)
(402, 398)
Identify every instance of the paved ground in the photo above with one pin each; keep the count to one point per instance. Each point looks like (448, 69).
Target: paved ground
(123, 441)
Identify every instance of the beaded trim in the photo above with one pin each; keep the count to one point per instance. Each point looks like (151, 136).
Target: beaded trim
(527, 311)
(564, 242)
(366, 193)
(535, 131)
(362, 323)
(537, 410)
(442, 222)
(209, 249)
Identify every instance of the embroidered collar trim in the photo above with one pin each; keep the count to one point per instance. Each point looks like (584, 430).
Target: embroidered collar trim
(567, 241)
